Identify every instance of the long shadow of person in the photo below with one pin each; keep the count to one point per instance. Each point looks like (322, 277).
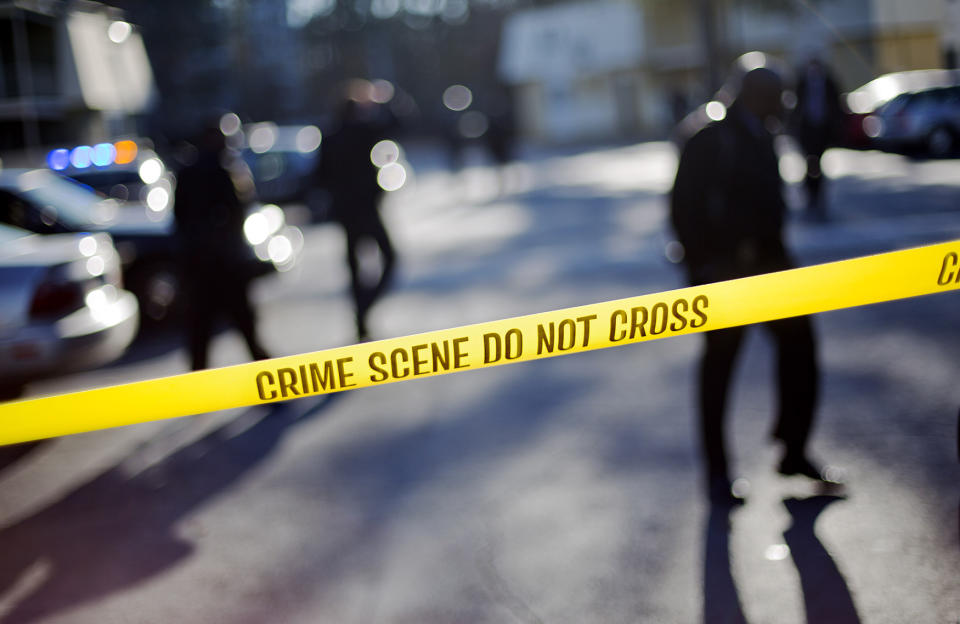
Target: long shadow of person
(116, 531)
(826, 597)
(721, 602)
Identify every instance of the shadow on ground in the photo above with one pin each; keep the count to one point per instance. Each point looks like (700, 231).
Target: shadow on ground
(826, 596)
(117, 531)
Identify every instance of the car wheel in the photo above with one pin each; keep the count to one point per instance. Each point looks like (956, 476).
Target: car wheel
(940, 142)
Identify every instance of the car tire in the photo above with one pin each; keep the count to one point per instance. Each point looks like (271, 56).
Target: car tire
(941, 142)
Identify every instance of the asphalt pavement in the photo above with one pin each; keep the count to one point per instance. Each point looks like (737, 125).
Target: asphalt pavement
(561, 490)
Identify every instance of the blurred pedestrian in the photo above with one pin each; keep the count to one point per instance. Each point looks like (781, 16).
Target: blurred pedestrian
(818, 121)
(215, 259)
(347, 173)
(679, 106)
(727, 209)
(501, 134)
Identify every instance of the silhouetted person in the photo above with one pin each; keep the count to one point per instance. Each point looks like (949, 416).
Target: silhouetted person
(678, 106)
(727, 209)
(819, 116)
(347, 173)
(215, 259)
(501, 134)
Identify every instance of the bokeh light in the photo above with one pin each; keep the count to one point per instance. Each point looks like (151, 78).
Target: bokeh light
(126, 152)
(674, 252)
(229, 124)
(384, 153)
(151, 170)
(392, 177)
(752, 60)
(274, 216)
(457, 97)
(103, 154)
(716, 110)
(383, 91)
(256, 228)
(308, 139)
(58, 159)
(280, 249)
(95, 266)
(119, 31)
(473, 124)
(793, 167)
(384, 9)
(262, 138)
(88, 246)
(360, 90)
(81, 156)
(158, 199)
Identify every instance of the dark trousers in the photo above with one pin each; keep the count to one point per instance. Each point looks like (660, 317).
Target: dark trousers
(814, 140)
(367, 289)
(213, 297)
(797, 385)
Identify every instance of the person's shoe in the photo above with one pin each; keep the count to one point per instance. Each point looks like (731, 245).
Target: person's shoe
(800, 465)
(723, 493)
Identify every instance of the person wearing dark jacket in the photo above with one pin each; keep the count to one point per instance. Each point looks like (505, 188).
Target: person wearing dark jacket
(348, 175)
(727, 210)
(215, 259)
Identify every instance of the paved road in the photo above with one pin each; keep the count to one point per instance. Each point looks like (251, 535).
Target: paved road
(563, 490)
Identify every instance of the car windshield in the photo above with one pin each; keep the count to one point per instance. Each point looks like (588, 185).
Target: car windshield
(75, 205)
(897, 104)
(104, 180)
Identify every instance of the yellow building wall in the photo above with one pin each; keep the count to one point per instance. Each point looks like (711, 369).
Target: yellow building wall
(903, 50)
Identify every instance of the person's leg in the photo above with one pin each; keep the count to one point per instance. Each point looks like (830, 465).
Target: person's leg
(388, 256)
(244, 317)
(200, 320)
(358, 290)
(814, 181)
(716, 369)
(798, 387)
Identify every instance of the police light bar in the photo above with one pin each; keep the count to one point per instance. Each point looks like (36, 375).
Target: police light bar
(99, 155)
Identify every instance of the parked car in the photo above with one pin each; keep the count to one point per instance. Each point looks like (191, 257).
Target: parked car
(916, 111)
(128, 171)
(42, 201)
(62, 305)
(924, 122)
(282, 160)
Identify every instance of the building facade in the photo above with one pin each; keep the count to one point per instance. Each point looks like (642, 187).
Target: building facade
(626, 69)
(69, 72)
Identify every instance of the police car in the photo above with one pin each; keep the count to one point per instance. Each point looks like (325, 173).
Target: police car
(127, 171)
(47, 202)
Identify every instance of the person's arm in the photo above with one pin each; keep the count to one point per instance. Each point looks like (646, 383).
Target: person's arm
(696, 189)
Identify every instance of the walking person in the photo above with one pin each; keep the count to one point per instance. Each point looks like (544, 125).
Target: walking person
(727, 209)
(349, 176)
(818, 119)
(215, 259)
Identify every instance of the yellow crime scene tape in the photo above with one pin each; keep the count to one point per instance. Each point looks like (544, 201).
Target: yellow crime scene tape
(760, 298)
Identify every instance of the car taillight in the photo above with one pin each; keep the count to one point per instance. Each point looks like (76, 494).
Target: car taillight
(53, 299)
